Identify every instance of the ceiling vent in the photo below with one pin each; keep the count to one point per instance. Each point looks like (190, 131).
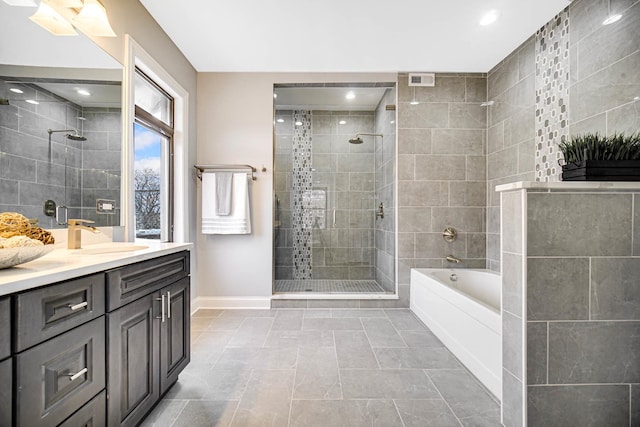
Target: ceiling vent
(422, 79)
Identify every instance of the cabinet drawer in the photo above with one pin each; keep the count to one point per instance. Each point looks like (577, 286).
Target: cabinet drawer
(57, 377)
(47, 312)
(93, 414)
(6, 388)
(5, 328)
(131, 282)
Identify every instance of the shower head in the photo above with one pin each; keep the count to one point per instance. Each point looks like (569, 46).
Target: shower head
(357, 140)
(72, 136)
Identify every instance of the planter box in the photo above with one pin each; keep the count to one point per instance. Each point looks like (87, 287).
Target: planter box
(602, 170)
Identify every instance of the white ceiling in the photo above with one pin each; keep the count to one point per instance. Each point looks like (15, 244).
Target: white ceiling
(349, 35)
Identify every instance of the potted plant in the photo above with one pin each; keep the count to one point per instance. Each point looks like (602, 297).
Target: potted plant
(594, 157)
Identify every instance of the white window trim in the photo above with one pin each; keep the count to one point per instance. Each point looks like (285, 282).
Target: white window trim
(136, 56)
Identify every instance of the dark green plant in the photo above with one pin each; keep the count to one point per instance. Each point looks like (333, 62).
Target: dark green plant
(593, 146)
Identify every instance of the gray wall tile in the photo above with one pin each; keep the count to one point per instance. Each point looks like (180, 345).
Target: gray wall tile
(568, 237)
(587, 405)
(536, 353)
(615, 293)
(512, 344)
(512, 286)
(512, 400)
(594, 352)
(511, 218)
(557, 289)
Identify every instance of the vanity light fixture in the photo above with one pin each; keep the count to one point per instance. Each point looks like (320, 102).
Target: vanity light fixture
(52, 21)
(350, 95)
(89, 16)
(92, 19)
(29, 3)
(16, 90)
(489, 18)
(611, 18)
(83, 92)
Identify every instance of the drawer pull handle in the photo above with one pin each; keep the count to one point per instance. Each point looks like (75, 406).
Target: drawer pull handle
(168, 305)
(75, 307)
(162, 313)
(73, 377)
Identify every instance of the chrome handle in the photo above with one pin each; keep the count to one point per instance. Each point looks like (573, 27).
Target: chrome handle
(334, 217)
(78, 306)
(73, 377)
(168, 305)
(162, 313)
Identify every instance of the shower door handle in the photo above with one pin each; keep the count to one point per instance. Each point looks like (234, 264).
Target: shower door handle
(334, 218)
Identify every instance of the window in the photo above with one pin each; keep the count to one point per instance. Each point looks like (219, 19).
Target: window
(153, 165)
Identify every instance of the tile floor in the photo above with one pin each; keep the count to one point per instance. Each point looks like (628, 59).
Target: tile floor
(321, 367)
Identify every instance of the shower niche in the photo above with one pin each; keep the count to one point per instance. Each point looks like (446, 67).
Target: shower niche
(335, 162)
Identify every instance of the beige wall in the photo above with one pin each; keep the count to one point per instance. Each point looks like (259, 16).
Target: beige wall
(235, 125)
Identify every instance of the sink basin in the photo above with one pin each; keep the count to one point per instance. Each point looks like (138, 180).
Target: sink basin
(109, 248)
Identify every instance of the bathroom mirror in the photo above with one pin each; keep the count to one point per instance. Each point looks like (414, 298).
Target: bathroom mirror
(60, 124)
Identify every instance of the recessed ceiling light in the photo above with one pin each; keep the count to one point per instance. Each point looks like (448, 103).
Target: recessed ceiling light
(16, 90)
(280, 120)
(611, 19)
(342, 122)
(30, 3)
(83, 92)
(298, 123)
(31, 101)
(350, 95)
(414, 103)
(275, 95)
(392, 121)
(489, 18)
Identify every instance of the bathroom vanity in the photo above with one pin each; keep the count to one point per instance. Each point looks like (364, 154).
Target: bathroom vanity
(94, 337)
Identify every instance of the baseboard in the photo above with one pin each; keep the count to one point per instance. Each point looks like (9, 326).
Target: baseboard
(230, 303)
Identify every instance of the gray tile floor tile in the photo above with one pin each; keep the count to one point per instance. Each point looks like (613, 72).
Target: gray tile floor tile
(321, 367)
(422, 413)
(382, 333)
(344, 413)
(206, 413)
(354, 350)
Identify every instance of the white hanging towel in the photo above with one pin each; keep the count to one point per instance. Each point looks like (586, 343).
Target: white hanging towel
(239, 219)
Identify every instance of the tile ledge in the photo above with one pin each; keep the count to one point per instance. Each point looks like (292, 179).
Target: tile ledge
(570, 186)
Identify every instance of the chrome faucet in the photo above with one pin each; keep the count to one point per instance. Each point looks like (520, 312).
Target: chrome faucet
(75, 228)
(451, 258)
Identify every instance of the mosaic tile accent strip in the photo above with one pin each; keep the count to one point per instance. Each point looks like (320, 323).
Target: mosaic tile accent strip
(329, 286)
(301, 188)
(552, 95)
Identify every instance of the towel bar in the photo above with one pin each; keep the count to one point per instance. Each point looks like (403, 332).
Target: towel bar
(200, 169)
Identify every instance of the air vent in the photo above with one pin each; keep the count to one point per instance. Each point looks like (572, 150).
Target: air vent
(422, 79)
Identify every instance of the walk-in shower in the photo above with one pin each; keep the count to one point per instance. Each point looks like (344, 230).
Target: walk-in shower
(329, 185)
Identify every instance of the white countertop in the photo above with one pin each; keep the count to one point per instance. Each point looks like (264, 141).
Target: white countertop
(63, 264)
(570, 186)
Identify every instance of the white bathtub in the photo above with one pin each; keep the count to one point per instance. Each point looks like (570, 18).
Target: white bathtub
(465, 315)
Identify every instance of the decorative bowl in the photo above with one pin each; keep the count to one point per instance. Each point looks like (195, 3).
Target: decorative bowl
(10, 257)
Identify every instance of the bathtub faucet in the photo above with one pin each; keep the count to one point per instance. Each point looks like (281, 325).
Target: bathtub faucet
(451, 258)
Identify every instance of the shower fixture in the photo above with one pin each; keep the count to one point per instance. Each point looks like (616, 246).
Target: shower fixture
(72, 136)
(487, 104)
(357, 140)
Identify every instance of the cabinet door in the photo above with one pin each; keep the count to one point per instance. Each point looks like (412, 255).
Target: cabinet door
(6, 400)
(93, 414)
(175, 333)
(134, 347)
(5, 328)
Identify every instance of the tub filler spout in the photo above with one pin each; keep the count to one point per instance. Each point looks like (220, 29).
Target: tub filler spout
(451, 258)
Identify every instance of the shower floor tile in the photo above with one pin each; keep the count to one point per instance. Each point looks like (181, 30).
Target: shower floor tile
(329, 286)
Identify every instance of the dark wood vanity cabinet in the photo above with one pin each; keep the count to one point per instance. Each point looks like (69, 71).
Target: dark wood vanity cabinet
(96, 350)
(148, 336)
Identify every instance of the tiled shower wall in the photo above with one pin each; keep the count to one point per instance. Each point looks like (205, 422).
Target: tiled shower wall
(385, 167)
(343, 181)
(29, 175)
(441, 172)
(604, 84)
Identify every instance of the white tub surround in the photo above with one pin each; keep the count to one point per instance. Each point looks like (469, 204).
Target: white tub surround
(63, 264)
(462, 308)
(570, 256)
